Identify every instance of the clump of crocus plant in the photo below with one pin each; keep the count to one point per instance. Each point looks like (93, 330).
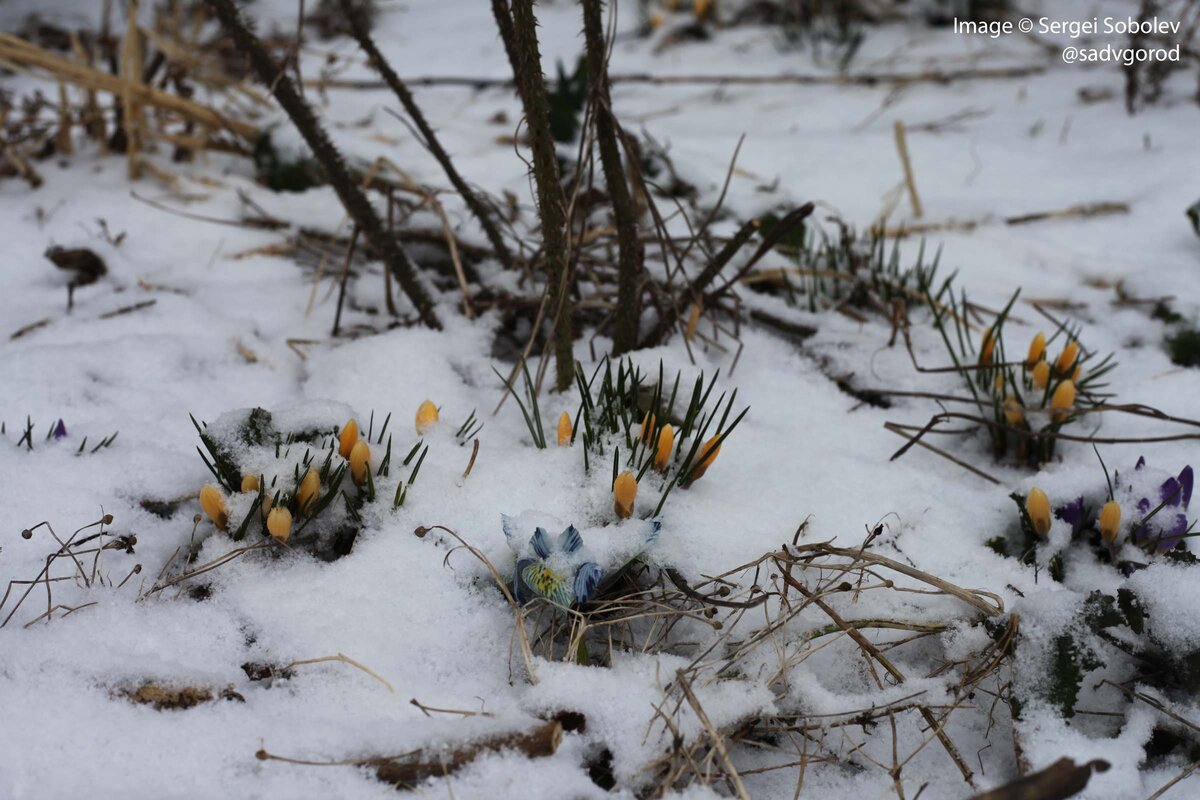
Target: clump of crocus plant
(306, 483)
(213, 504)
(1132, 515)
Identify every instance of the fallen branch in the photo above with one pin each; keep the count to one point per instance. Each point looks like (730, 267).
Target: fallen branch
(409, 768)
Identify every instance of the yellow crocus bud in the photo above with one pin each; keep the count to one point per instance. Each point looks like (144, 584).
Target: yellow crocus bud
(427, 417)
(279, 523)
(656, 20)
(999, 383)
(1077, 374)
(249, 483)
(347, 439)
(1038, 506)
(708, 454)
(1014, 413)
(648, 425)
(666, 441)
(624, 493)
(307, 491)
(1066, 359)
(1110, 520)
(1063, 399)
(213, 503)
(1041, 374)
(267, 502)
(700, 8)
(1037, 350)
(987, 346)
(564, 429)
(360, 458)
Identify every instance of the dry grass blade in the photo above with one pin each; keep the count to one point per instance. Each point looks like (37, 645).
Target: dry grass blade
(18, 53)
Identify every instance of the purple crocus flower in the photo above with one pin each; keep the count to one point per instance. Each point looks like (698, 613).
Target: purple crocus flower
(1170, 522)
(1072, 513)
(60, 429)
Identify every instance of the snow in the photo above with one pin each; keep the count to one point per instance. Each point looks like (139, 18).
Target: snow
(422, 614)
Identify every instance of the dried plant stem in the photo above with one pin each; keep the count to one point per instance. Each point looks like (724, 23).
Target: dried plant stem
(362, 33)
(629, 251)
(909, 180)
(344, 659)
(131, 77)
(20, 53)
(551, 200)
(717, 739)
(355, 201)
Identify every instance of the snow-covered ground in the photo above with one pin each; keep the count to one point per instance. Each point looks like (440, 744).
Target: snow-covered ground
(217, 338)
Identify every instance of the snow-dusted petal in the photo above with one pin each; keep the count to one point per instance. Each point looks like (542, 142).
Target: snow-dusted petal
(587, 578)
(540, 542)
(569, 540)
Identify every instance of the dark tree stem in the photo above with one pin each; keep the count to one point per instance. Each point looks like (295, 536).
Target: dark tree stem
(629, 251)
(353, 199)
(551, 201)
(362, 33)
(504, 24)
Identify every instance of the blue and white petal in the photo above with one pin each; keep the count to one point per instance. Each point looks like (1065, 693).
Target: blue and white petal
(540, 542)
(587, 578)
(570, 540)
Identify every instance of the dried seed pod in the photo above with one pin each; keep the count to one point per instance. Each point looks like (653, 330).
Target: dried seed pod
(213, 504)
(347, 438)
(624, 493)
